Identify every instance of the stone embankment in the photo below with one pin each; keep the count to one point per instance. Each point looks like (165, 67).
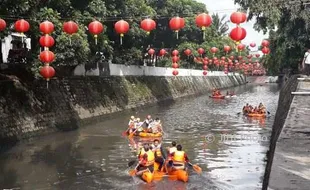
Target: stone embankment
(29, 109)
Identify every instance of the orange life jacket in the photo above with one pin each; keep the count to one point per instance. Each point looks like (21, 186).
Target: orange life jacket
(150, 158)
(157, 151)
(179, 157)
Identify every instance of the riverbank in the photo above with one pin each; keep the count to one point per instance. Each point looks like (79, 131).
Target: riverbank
(29, 109)
(288, 158)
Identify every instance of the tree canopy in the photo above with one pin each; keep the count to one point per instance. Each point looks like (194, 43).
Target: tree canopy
(135, 42)
(288, 22)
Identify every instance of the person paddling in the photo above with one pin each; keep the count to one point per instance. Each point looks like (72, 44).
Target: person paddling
(147, 161)
(178, 159)
(173, 148)
(159, 153)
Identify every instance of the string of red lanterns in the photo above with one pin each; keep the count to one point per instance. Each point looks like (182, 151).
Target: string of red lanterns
(121, 27)
(47, 56)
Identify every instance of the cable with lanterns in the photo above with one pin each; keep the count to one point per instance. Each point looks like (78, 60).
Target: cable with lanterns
(203, 20)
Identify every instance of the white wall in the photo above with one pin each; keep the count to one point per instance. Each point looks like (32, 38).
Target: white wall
(6, 45)
(133, 70)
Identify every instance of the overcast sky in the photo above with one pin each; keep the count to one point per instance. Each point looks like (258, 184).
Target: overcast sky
(227, 7)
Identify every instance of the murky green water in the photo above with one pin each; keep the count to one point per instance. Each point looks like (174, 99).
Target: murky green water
(96, 156)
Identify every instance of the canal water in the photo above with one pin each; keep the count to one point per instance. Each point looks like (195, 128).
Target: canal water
(228, 147)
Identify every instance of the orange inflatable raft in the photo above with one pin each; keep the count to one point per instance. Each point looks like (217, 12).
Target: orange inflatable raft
(256, 115)
(144, 134)
(217, 97)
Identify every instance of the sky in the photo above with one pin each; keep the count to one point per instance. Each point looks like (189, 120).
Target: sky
(226, 7)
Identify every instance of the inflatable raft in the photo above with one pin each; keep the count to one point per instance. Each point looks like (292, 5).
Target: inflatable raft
(255, 115)
(217, 97)
(145, 134)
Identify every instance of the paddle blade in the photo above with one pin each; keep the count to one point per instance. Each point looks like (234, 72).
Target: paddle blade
(197, 169)
(132, 172)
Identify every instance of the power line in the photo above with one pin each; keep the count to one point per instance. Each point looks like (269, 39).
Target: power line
(117, 18)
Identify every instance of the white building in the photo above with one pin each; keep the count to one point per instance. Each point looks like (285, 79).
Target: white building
(7, 44)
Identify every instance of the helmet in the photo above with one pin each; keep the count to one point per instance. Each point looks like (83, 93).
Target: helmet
(132, 117)
(138, 119)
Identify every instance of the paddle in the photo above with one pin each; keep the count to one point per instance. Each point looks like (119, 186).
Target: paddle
(195, 167)
(134, 171)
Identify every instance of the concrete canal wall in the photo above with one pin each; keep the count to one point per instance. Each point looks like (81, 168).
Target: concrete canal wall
(288, 156)
(29, 109)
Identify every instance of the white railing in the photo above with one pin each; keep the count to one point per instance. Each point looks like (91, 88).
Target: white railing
(133, 70)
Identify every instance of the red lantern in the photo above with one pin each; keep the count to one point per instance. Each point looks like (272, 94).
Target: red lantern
(175, 65)
(266, 50)
(47, 56)
(238, 34)
(162, 52)
(22, 26)
(252, 44)
(148, 25)
(151, 51)
(175, 52)
(200, 51)
(175, 72)
(265, 43)
(232, 57)
(213, 50)
(176, 24)
(203, 20)
(47, 41)
(205, 62)
(47, 72)
(204, 67)
(204, 73)
(241, 47)
(249, 56)
(95, 28)
(46, 27)
(227, 48)
(121, 27)
(238, 17)
(188, 52)
(2, 24)
(240, 57)
(70, 27)
(175, 59)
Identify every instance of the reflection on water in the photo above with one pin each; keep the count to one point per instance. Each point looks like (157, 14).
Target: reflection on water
(227, 146)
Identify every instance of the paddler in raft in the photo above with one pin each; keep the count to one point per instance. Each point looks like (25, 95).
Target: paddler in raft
(146, 160)
(155, 127)
(178, 159)
(159, 154)
(216, 92)
(131, 124)
(138, 126)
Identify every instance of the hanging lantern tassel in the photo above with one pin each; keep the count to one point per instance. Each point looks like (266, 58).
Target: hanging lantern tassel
(204, 32)
(23, 39)
(177, 32)
(96, 38)
(70, 40)
(121, 38)
(47, 83)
